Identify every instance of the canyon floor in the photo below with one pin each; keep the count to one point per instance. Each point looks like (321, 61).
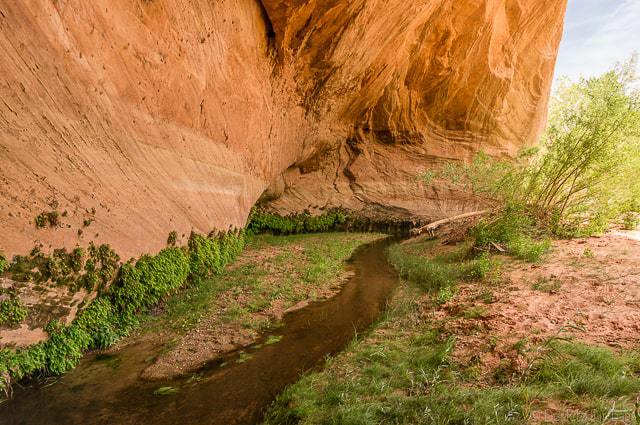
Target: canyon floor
(554, 342)
(557, 341)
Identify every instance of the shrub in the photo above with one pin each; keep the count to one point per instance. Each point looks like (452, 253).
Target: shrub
(12, 311)
(511, 228)
(630, 221)
(525, 248)
(76, 259)
(481, 268)
(582, 175)
(503, 228)
(261, 221)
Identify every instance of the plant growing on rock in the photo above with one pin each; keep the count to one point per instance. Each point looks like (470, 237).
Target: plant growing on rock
(51, 218)
(4, 264)
(12, 311)
(261, 221)
(127, 291)
(172, 239)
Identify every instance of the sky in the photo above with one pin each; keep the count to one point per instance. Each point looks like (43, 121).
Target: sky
(597, 34)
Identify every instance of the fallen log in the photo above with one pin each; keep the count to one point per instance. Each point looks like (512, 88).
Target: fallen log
(432, 227)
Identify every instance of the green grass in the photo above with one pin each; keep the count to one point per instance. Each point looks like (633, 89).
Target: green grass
(304, 265)
(403, 371)
(273, 339)
(512, 229)
(550, 286)
(436, 273)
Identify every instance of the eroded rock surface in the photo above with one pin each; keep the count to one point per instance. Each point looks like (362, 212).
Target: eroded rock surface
(179, 114)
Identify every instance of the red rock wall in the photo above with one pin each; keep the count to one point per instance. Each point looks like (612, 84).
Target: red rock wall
(178, 114)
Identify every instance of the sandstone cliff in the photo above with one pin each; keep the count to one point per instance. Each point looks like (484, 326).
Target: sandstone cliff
(180, 114)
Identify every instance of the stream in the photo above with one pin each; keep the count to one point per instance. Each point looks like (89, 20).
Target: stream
(234, 389)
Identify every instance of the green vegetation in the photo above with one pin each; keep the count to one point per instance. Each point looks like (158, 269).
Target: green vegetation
(51, 218)
(12, 311)
(127, 291)
(172, 239)
(74, 269)
(631, 221)
(261, 221)
(132, 289)
(166, 391)
(300, 267)
(442, 272)
(4, 264)
(550, 286)
(404, 371)
(581, 177)
(273, 339)
(511, 228)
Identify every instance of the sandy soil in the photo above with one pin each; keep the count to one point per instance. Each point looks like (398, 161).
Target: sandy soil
(587, 289)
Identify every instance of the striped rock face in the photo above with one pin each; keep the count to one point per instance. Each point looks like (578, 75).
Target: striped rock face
(133, 118)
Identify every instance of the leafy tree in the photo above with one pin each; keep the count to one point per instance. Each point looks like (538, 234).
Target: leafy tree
(584, 173)
(587, 170)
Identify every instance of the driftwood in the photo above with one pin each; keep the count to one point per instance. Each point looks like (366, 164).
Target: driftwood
(432, 227)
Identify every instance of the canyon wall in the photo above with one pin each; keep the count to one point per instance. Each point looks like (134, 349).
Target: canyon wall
(137, 117)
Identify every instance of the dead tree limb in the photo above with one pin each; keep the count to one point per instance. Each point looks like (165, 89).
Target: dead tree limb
(432, 227)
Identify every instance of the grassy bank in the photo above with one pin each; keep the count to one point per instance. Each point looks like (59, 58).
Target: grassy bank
(228, 310)
(272, 268)
(407, 371)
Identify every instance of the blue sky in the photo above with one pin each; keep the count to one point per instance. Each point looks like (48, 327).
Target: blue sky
(597, 34)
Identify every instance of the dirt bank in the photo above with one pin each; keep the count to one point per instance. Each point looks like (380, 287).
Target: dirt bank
(587, 289)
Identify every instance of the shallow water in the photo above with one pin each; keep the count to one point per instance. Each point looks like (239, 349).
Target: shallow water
(236, 389)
